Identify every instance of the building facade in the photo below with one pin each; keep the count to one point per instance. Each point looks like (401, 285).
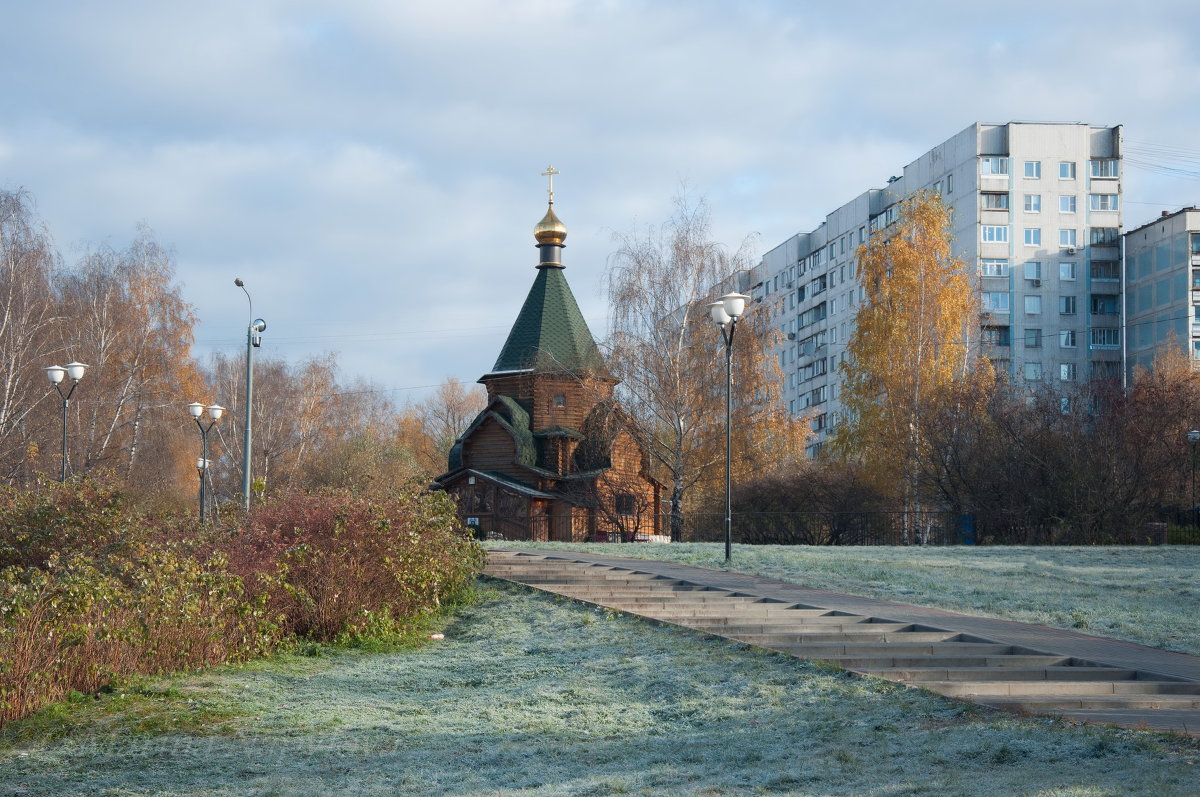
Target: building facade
(1036, 215)
(1162, 287)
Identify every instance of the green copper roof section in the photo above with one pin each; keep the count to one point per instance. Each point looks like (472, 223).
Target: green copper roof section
(550, 333)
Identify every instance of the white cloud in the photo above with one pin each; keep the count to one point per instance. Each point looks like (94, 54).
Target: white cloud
(355, 161)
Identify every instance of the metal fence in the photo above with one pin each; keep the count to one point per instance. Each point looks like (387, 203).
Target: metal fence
(839, 528)
(832, 528)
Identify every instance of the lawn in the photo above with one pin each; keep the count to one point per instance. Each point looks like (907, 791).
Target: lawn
(1142, 594)
(533, 695)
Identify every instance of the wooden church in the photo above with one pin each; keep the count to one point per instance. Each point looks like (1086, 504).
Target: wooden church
(551, 457)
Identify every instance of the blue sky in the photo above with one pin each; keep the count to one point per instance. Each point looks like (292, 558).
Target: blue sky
(372, 169)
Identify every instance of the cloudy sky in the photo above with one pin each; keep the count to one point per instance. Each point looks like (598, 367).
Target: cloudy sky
(371, 168)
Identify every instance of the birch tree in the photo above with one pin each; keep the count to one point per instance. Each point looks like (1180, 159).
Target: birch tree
(910, 342)
(670, 359)
(129, 322)
(28, 319)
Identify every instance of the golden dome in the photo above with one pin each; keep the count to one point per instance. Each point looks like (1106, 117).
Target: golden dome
(550, 230)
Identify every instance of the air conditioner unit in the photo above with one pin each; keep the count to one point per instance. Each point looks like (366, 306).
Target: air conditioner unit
(1070, 250)
(1035, 283)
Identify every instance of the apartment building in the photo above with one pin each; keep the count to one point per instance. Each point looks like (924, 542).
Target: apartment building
(1162, 286)
(1036, 215)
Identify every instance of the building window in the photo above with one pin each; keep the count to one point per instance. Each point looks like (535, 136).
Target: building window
(1033, 236)
(1105, 236)
(995, 336)
(625, 504)
(992, 165)
(1108, 270)
(1066, 339)
(1033, 270)
(1066, 203)
(1066, 170)
(1106, 338)
(1033, 305)
(1033, 372)
(1102, 202)
(993, 267)
(1033, 203)
(1067, 372)
(1195, 243)
(995, 301)
(1033, 169)
(950, 183)
(560, 400)
(994, 201)
(1033, 338)
(1104, 305)
(1066, 271)
(1067, 239)
(1066, 305)
(994, 234)
(1104, 168)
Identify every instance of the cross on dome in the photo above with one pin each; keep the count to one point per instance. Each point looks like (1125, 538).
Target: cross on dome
(549, 173)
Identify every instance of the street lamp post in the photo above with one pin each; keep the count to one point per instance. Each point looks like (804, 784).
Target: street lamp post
(726, 312)
(1193, 438)
(214, 413)
(56, 374)
(253, 340)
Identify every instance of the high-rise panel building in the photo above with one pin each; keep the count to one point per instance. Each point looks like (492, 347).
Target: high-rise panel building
(1036, 216)
(1162, 287)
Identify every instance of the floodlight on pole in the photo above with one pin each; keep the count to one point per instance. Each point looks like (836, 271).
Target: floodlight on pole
(254, 331)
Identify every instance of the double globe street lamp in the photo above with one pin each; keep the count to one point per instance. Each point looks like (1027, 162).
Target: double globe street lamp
(56, 374)
(215, 412)
(726, 312)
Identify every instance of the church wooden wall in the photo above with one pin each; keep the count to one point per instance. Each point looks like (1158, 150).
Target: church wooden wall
(537, 392)
(491, 448)
(627, 474)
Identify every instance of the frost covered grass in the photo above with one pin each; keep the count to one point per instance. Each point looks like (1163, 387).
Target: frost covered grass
(533, 695)
(1141, 594)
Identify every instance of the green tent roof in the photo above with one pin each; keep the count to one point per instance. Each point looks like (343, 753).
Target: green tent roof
(550, 333)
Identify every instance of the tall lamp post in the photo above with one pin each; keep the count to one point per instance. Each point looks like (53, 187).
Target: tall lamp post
(253, 340)
(214, 413)
(1193, 438)
(726, 312)
(56, 374)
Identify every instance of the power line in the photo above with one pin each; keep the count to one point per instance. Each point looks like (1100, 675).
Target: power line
(458, 332)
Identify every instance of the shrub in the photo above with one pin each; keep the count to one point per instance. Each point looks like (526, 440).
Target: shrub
(79, 622)
(82, 516)
(91, 590)
(335, 563)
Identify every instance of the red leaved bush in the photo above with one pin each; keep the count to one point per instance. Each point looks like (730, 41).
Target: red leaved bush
(336, 563)
(91, 589)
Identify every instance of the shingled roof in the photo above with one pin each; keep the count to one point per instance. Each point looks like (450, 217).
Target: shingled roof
(550, 333)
